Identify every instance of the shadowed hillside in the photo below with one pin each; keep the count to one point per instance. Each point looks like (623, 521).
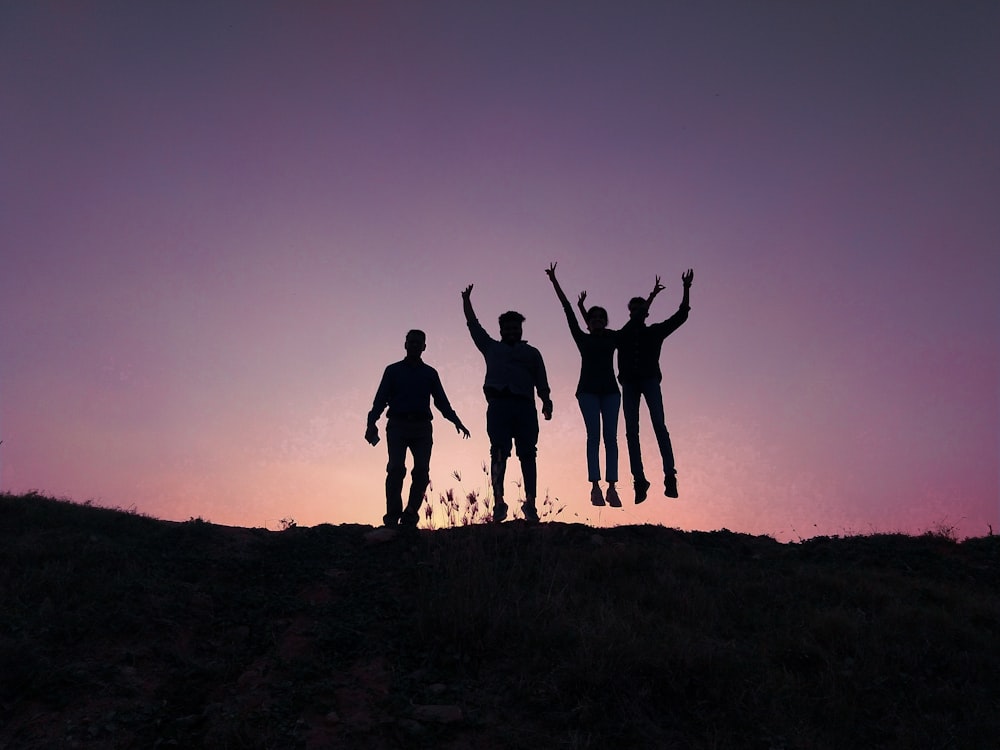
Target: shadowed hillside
(122, 631)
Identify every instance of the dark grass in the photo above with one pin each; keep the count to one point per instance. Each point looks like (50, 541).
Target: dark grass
(119, 631)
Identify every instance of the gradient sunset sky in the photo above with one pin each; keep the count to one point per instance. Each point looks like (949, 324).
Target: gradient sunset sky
(218, 220)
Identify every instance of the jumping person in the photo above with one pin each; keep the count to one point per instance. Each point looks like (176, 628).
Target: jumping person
(639, 373)
(514, 372)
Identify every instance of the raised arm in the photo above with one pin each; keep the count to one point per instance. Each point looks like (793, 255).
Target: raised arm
(687, 278)
(574, 324)
(470, 314)
(657, 288)
(580, 303)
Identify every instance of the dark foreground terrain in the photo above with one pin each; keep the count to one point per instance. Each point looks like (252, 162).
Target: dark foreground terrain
(122, 631)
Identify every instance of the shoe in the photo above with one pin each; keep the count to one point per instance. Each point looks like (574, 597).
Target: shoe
(390, 522)
(641, 488)
(612, 496)
(408, 519)
(596, 497)
(530, 512)
(499, 512)
(670, 485)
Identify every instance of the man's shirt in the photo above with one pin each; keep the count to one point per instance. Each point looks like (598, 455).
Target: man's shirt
(407, 389)
(518, 369)
(639, 347)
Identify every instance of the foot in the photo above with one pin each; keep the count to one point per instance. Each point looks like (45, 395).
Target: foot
(390, 522)
(530, 513)
(612, 497)
(499, 512)
(409, 519)
(641, 488)
(670, 485)
(596, 497)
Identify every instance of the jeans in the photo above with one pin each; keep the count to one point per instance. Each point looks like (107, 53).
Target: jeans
(649, 389)
(418, 438)
(600, 415)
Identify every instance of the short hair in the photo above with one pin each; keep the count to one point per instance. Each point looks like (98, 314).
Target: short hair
(416, 333)
(511, 316)
(637, 301)
(597, 310)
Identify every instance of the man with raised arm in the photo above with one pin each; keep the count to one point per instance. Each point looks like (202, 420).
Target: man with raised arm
(514, 372)
(639, 373)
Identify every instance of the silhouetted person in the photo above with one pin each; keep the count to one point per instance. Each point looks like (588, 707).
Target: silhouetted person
(597, 390)
(407, 388)
(639, 374)
(514, 371)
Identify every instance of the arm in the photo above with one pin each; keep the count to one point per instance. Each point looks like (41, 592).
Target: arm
(657, 288)
(378, 406)
(444, 406)
(687, 278)
(470, 314)
(479, 336)
(574, 325)
(542, 386)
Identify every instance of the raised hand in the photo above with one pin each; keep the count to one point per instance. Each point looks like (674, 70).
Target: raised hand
(687, 277)
(551, 271)
(657, 288)
(467, 292)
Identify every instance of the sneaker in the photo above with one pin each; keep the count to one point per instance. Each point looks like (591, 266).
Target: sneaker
(596, 496)
(499, 512)
(670, 485)
(641, 488)
(530, 512)
(612, 496)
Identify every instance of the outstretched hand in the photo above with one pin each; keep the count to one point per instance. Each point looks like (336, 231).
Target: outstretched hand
(551, 271)
(467, 292)
(582, 298)
(657, 287)
(687, 277)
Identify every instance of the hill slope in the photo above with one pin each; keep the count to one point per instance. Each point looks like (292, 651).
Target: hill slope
(121, 631)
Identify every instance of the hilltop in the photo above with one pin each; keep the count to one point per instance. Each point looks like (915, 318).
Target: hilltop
(123, 631)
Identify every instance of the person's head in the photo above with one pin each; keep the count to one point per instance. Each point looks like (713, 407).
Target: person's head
(511, 327)
(416, 342)
(597, 319)
(637, 308)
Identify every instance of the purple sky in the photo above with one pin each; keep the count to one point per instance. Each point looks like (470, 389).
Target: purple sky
(218, 220)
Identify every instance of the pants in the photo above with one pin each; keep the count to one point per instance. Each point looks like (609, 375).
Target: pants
(648, 389)
(598, 410)
(513, 419)
(401, 435)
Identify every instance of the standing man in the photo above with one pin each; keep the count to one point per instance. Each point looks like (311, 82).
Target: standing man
(514, 371)
(407, 388)
(639, 374)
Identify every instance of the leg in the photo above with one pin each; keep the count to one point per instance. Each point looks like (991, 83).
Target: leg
(421, 443)
(610, 407)
(630, 410)
(499, 429)
(395, 473)
(526, 440)
(654, 402)
(590, 407)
